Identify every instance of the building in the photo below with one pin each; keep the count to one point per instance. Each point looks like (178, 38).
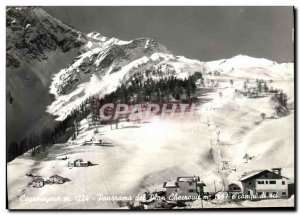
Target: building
(234, 190)
(265, 183)
(84, 163)
(56, 179)
(184, 187)
(38, 182)
(171, 188)
(79, 163)
(71, 164)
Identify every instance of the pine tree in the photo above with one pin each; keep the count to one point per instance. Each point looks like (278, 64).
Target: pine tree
(259, 86)
(266, 89)
(245, 86)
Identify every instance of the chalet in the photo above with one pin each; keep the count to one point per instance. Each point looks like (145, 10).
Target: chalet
(234, 190)
(56, 179)
(184, 187)
(84, 163)
(171, 188)
(79, 163)
(265, 183)
(71, 164)
(38, 182)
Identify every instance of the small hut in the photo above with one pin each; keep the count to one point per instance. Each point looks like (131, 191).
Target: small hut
(38, 182)
(56, 179)
(78, 162)
(71, 164)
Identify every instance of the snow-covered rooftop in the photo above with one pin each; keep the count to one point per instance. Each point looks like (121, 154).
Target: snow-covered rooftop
(38, 180)
(170, 184)
(188, 178)
(249, 174)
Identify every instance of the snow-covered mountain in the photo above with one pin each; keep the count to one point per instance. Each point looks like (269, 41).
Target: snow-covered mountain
(105, 63)
(249, 67)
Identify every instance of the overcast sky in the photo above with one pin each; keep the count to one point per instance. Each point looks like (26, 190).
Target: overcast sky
(204, 33)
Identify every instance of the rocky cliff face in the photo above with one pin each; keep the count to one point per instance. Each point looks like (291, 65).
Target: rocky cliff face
(37, 46)
(33, 34)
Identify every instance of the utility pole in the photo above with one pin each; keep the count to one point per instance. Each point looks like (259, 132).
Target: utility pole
(215, 186)
(218, 134)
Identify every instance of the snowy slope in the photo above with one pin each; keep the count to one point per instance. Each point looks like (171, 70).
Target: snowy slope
(243, 66)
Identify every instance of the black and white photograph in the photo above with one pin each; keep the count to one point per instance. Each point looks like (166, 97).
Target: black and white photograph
(150, 107)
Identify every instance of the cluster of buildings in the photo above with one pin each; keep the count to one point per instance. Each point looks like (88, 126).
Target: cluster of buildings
(54, 179)
(260, 183)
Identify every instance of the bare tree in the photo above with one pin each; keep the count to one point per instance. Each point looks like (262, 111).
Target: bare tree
(263, 115)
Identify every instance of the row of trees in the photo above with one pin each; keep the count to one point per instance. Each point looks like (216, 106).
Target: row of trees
(138, 90)
(262, 86)
(279, 96)
(36, 142)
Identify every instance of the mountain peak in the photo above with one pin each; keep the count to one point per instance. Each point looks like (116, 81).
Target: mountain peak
(97, 36)
(245, 59)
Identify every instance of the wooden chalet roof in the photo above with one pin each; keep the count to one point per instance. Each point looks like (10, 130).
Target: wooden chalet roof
(257, 173)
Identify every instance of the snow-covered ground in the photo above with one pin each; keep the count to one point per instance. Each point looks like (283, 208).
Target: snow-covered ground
(273, 203)
(141, 156)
